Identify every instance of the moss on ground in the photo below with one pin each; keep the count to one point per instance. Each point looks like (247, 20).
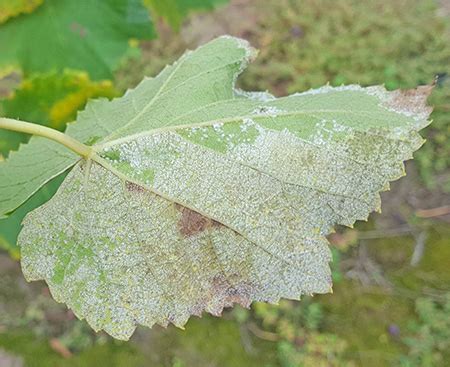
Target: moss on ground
(208, 341)
(36, 352)
(365, 316)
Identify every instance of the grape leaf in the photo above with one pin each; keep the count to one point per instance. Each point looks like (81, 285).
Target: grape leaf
(200, 195)
(174, 11)
(83, 35)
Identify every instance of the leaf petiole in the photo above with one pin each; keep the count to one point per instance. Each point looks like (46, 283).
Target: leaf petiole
(81, 149)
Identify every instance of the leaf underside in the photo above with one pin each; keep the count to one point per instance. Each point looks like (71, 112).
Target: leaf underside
(201, 195)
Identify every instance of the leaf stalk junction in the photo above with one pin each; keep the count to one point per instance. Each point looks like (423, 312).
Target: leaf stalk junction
(81, 149)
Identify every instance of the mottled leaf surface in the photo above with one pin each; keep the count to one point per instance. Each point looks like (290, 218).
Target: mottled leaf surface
(200, 195)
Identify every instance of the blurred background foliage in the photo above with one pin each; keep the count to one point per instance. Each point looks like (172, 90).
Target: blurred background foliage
(12, 8)
(391, 301)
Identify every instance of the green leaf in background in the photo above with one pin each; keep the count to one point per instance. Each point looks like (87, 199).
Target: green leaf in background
(199, 196)
(50, 99)
(175, 11)
(84, 35)
(12, 8)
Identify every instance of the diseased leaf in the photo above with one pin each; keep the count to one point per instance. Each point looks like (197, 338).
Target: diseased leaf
(83, 35)
(12, 8)
(200, 196)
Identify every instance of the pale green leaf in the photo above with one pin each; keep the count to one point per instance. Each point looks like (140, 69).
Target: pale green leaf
(201, 196)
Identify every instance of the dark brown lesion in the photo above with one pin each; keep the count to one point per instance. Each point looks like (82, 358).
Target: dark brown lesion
(239, 292)
(223, 294)
(192, 222)
(132, 187)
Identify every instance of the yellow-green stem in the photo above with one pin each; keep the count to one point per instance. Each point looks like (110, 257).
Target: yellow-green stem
(28, 128)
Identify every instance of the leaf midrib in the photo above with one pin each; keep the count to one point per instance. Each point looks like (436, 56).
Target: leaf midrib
(154, 98)
(161, 91)
(236, 119)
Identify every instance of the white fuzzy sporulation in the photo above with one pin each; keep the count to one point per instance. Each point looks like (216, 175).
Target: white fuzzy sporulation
(267, 110)
(202, 196)
(328, 88)
(257, 96)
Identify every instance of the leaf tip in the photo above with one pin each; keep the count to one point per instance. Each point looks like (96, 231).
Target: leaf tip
(250, 52)
(412, 102)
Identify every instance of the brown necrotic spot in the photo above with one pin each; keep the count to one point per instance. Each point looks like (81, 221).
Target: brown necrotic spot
(132, 187)
(239, 292)
(191, 222)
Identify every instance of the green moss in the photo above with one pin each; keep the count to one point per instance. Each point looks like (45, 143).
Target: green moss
(362, 315)
(207, 341)
(438, 254)
(214, 342)
(431, 272)
(37, 352)
(363, 318)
